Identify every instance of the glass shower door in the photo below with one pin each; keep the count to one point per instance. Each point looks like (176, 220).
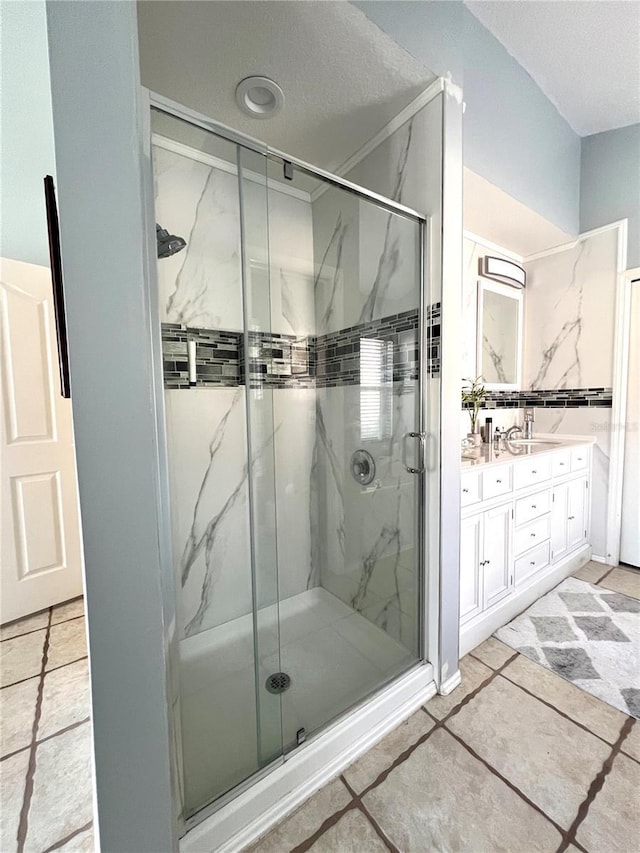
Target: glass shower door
(346, 290)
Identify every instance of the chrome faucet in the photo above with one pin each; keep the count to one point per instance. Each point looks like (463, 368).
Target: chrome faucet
(510, 432)
(526, 430)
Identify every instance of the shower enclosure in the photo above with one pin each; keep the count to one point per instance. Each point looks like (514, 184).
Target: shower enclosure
(297, 342)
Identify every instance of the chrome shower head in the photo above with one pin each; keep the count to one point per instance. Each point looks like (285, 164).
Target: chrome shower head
(168, 244)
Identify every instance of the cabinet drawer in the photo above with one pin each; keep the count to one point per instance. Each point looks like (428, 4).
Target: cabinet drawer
(531, 534)
(496, 482)
(531, 472)
(579, 458)
(561, 463)
(532, 507)
(470, 488)
(531, 562)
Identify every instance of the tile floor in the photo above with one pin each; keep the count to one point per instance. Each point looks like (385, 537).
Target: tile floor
(516, 759)
(45, 733)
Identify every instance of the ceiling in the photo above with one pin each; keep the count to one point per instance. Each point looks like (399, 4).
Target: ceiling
(343, 78)
(584, 55)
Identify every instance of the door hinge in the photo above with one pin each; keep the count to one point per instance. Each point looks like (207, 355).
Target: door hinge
(586, 484)
(511, 513)
(553, 497)
(510, 580)
(301, 736)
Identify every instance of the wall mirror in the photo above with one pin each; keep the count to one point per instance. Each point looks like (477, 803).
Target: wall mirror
(499, 339)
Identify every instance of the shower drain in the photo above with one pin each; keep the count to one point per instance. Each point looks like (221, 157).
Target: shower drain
(278, 682)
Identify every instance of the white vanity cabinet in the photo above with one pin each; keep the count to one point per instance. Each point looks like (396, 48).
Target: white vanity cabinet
(569, 516)
(524, 527)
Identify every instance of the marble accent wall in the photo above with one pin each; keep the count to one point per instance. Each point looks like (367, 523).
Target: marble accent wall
(569, 329)
(200, 289)
(367, 268)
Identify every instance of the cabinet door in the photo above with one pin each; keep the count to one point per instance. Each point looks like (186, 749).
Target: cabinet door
(495, 555)
(470, 556)
(559, 513)
(576, 513)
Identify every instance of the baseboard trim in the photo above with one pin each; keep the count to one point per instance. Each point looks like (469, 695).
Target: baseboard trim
(597, 559)
(253, 813)
(450, 684)
(481, 627)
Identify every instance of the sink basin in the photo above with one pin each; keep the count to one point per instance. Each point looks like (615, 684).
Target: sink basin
(533, 442)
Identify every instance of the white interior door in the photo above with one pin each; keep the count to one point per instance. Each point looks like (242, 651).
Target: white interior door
(630, 529)
(40, 547)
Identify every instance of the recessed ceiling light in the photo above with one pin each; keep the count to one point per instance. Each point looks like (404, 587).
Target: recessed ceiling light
(259, 97)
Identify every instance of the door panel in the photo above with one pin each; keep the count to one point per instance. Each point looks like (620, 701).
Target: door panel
(41, 556)
(559, 513)
(470, 557)
(576, 513)
(497, 524)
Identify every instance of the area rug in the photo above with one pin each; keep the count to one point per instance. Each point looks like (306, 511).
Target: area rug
(586, 634)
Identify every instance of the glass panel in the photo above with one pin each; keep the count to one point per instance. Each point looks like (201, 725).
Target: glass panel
(260, 355)
(213, 489)
(345, 297)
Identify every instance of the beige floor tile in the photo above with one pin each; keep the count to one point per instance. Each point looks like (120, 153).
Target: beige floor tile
(442, 798)
(21, 657)
(17, 712)
(67, 642)
(62, 789)
(367, 769)
(83, 842)
(626, 581)
(631, 744)
(351, 834)
(592, 572)
(306, 820)
(13, 773)
(547, 757)
(493, 653)
(23, 626)
(69, 610)
(581, 706)
(613, 820)
(473, 674)
(65, 698)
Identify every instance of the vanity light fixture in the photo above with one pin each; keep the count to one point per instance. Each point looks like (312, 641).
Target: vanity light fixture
(501, 270)
(259, 97)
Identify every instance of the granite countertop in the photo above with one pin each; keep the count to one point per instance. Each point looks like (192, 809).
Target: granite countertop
(485, 454)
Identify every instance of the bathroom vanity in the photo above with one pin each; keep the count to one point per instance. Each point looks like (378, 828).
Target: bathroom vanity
(525, 522)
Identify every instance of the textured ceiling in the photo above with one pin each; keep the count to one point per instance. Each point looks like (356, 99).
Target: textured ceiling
(585, 56)
(343, 78)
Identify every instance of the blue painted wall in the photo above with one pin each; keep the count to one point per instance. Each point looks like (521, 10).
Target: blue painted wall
(26, 148)
(513, 135)
(610, 183)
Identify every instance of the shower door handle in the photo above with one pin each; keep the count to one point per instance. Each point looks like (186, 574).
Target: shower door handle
(421, 437)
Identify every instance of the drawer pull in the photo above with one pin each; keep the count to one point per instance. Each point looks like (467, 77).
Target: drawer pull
(571, 517)
(466, 491)
(532, 562)
(534, 472)
(562, 464)
(498, 481)
(533, 535)
(534, 506)
(579, 458)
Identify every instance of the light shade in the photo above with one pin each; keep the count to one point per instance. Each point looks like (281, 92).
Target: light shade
(501, 270)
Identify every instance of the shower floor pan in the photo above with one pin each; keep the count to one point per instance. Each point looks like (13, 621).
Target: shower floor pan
(333, 656)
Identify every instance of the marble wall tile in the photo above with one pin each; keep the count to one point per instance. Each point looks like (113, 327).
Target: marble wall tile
(206, 437)
(569, 316)
(201, 285)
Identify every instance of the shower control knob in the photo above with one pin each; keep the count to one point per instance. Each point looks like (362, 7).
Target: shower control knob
(363, 467)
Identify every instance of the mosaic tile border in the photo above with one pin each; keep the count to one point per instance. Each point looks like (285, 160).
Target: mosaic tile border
(564, 398)
(289, 361)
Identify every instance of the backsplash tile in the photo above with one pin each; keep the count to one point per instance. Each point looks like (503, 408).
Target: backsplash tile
(564, 398)
(289, 361)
